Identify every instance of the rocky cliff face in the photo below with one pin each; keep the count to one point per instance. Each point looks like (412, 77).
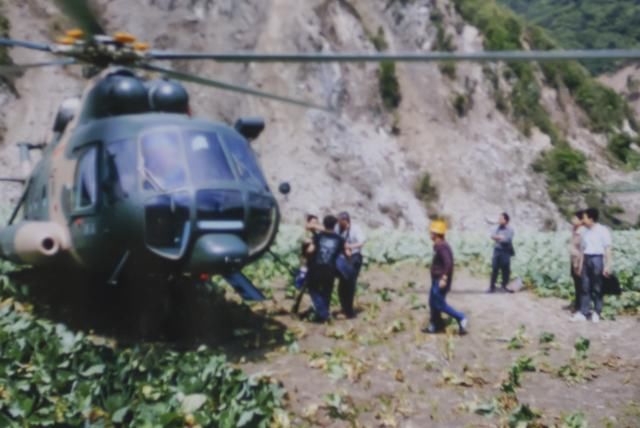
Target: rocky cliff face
(367, 158)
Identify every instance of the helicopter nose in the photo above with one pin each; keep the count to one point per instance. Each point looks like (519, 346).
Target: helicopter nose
(213, 250)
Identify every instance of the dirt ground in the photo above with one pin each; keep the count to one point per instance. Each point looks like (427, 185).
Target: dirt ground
(380, 370)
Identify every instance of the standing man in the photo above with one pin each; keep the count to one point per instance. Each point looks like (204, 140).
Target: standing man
(596, 264)
(441, 278)
(575, 251)
(324, 251)
(502, 253)
(355, 240)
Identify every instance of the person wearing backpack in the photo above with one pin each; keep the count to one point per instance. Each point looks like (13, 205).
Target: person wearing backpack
(503, 251)
(323, 251)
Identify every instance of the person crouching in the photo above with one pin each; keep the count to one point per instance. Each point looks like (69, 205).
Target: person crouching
(441, 278)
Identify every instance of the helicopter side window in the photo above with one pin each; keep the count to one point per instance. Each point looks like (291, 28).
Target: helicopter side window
(245, 162)
(163, 166)
(207, 160)
(86, 180)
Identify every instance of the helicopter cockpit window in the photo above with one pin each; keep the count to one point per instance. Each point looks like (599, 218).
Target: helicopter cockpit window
(120, 167)
(86, 180)
(244, 162)
(207, 160)
(162, 165)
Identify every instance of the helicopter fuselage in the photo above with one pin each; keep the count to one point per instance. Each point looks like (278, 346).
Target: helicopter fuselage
(160, 194)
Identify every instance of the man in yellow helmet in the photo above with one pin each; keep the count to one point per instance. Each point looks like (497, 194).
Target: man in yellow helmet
(441, 277)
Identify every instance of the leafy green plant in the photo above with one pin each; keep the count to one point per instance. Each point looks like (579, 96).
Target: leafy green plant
(461, 104)
(563, 166)
(426, 190)
(574, 420)
(566, 172)
(378, 39)
(448, 68)
(50, 375)
(5, 58)
(621, 146)
(521, 365)
(523, 416)
(546, 337)
(340, 407)
(443, 41)
(519, 339)
(389, 85)
(581, 347)
(4, 32)
(579, 369)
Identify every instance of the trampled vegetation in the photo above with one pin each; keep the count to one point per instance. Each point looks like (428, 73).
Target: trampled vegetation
(52, 376)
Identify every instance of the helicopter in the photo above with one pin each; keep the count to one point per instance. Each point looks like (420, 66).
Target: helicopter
(132, 185)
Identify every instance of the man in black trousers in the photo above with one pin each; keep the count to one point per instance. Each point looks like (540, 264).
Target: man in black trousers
(596, 265)
(502, 253)
(349, 265)
(323, 253)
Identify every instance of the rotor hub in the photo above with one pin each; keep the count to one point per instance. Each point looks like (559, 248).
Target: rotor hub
(101, 51)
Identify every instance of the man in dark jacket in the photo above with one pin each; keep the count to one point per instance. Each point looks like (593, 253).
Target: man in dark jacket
(324, 250)
(441, 278)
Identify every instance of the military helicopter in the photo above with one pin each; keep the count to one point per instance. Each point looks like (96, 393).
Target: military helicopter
(132, 185)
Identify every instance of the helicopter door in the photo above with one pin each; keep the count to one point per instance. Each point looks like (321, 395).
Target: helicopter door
(85, 196)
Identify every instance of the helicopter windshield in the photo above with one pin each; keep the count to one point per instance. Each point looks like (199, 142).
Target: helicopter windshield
(245, 162)
(163, 164)
(172, 160)
(206, 158)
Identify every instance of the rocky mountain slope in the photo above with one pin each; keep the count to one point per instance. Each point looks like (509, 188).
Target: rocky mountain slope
(451, 137)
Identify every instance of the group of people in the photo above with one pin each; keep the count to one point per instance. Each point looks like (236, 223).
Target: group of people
(332, 250)
(591, 264)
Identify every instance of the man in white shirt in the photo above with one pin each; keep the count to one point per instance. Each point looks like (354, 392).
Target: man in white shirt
(349, 267)
(596, 264)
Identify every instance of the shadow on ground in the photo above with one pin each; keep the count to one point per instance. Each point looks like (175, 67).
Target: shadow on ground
(183, 316)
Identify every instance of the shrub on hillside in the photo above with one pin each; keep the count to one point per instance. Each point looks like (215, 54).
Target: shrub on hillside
(621, 147)
(389, 85)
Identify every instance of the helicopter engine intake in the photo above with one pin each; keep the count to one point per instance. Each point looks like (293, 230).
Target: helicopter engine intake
(32, 242)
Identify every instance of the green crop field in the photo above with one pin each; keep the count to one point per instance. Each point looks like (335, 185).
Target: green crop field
(53, 376)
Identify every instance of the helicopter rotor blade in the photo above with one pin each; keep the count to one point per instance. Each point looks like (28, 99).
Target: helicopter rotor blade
(555, 55)
(231, 87)
(621, 188)
(18, 68)
(24, 44)
(81, 15)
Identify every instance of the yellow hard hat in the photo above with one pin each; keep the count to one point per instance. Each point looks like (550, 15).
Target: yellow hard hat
(439, 227)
